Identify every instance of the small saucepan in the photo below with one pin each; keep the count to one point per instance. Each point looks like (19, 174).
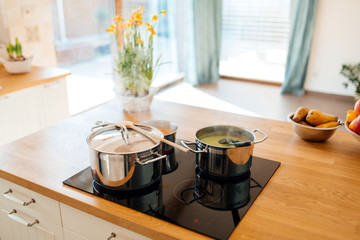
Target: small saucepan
(224, 158)
(168, 128)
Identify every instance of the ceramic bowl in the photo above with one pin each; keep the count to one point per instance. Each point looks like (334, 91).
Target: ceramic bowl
(312, 134)
(354, 134)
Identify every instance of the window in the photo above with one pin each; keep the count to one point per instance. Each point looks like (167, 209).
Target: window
(255, 36)
(81, 40)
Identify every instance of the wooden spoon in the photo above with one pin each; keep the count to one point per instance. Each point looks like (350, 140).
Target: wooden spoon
(130, 124)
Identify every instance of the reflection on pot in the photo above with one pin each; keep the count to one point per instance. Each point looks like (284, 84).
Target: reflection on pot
(148, 200)
(222, 193)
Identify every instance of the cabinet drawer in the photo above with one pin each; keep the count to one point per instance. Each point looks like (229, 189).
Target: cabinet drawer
(93, 228)
(18, 225)
(30, 202)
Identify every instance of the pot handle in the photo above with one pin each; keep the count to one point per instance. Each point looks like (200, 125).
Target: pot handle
(185, 144)
(151, 160)
(261, 140)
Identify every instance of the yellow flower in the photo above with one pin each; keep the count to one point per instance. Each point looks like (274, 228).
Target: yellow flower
(134, 12)
(117, 18)
(154, 18)
(139, 23)
(138, 16)
(139, 41)
(163, 12)
(147, 24)
(111, 29)
(141, 9)
(132, 19)
(150, 29)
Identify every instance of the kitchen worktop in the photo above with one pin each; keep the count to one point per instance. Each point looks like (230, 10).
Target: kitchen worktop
(37, 75)
(313, 195)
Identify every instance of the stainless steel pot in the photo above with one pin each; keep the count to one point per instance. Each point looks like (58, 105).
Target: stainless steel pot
(169, 164)
(230, 161)
(124, 158)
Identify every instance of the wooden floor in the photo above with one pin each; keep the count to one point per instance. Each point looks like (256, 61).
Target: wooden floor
(256, 99)
(248, 98)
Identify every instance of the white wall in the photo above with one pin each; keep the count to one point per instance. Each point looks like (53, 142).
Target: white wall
(30, 22)
(4, 35)
(336, 41)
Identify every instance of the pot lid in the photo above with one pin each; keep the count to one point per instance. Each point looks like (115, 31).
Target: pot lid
(116, 140)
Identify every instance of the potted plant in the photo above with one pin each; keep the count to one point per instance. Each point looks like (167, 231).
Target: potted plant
(352, 72)
(134, 61)
(16, 63)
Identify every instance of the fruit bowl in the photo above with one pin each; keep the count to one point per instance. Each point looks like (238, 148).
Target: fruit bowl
(354, 134)
(312, 134)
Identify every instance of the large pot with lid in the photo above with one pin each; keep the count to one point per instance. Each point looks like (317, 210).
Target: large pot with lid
(122, 158)
(224, 151)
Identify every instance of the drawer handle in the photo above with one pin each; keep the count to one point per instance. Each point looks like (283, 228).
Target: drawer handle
(29, 202)
(18, 219)
(16, 200)
(112, 235)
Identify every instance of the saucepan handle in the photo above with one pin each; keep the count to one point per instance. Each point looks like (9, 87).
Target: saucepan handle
(159, 157)
(263, 139)
(185, 144)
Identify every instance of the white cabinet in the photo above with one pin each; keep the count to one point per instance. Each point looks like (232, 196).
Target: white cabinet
(69, 235)
(19, 114)
(90, 227)
(26, 215)
(29, 201)
(18, 225)
(29, 110)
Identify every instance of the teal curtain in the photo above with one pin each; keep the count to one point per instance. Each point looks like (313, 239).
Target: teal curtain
(203, 41)
(301, 30)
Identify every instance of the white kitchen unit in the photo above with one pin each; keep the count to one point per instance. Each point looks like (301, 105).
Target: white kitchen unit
(29, 110)
(85, 226)
(30, 102)
(27, 215)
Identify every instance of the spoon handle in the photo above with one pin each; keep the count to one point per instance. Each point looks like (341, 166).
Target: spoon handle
(154, 136)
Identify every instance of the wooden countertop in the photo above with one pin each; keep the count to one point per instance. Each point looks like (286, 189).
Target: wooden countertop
(313, 195)
(37, 75)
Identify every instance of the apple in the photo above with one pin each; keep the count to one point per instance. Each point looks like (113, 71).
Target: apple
(357, 125)
(357, 107)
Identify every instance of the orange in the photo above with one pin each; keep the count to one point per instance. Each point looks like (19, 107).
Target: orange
(351, 115)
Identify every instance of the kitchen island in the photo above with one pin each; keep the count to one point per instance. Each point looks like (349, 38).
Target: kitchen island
(313, 195)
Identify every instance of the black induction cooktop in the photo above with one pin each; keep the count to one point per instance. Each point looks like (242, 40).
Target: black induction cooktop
(188, 197)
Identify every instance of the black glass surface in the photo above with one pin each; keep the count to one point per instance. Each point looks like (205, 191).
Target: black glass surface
(189, 197)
